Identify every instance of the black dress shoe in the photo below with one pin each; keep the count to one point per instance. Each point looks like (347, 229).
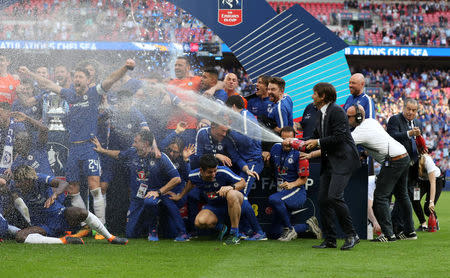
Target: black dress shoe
(326, 244)
(350, 242)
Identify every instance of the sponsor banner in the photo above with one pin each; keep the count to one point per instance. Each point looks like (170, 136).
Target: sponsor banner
(398, 51)
(388, 51)
(78, 45)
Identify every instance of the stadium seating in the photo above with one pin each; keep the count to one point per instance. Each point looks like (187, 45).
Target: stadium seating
(154, 20)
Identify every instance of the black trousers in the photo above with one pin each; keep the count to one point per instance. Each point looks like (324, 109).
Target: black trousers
(398, 213)
(425, 189)
(331, 202)
(393, 179)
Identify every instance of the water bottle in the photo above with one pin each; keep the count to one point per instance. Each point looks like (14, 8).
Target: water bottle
(298, 145)
(369, 230)
(432, 227)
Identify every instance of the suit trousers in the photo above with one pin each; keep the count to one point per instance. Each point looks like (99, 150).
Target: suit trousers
(331, 201)
(397, 214)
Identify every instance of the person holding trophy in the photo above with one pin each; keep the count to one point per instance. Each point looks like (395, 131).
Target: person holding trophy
(82, 127)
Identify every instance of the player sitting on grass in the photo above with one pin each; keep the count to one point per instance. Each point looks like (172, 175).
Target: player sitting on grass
(49, 217)
(221, 187)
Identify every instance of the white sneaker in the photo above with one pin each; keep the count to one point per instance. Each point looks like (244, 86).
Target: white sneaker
(313, 224)
(288, 234)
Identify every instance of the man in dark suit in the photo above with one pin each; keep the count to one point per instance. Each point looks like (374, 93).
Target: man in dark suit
(403, 127)
(339, 159)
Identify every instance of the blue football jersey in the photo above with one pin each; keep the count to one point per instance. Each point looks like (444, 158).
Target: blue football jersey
(124, 126)
(289, 167)
(147, 173)
(224, 177)
(248, 129)
(81, 120)
(36, 197)
(282, 112)
(37, 158)
(365, 101)
(34, 111)
(206, 144)
(259, 107)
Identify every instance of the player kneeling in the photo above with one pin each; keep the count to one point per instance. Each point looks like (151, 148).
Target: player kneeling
(48, 215)
(221, 187)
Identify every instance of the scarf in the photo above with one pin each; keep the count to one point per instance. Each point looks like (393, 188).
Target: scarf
(7, 156)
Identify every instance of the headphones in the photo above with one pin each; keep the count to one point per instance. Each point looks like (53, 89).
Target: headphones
(358, 115)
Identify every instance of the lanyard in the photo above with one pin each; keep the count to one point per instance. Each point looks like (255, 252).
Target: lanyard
(211, 142)
(282, 161)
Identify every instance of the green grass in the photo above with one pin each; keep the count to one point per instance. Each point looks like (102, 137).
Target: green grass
(426, 257)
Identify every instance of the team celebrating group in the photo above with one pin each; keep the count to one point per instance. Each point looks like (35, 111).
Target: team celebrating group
(176, 155)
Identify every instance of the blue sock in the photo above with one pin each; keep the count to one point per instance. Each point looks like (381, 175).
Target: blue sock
(301, 228)
(234, 231)
(219, 227)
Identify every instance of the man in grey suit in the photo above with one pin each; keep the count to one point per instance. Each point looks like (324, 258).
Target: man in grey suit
(339, 159)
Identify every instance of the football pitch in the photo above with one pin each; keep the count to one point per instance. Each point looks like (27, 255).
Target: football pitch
(428, 256)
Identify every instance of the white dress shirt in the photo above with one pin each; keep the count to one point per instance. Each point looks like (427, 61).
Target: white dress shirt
(323, 109)
(372, 136)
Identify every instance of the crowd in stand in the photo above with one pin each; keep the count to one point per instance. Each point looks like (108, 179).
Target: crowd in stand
(414, 24)
(156, 21)
(422, 23)
(430, 88)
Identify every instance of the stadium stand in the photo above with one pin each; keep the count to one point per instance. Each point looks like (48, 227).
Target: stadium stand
(421, 23)
(430, 87)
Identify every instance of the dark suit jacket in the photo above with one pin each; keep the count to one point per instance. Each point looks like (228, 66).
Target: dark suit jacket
(339, 151)
(397, 127)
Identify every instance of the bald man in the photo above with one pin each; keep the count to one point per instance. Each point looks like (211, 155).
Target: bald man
(230, 83)
(356, 86)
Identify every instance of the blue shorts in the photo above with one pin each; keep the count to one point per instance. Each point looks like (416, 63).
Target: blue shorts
(82, 161)
(107, 169)
(221, 212)
(292, 198)
(54, 223)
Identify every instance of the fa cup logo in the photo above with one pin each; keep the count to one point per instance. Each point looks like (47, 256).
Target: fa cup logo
(230, 12)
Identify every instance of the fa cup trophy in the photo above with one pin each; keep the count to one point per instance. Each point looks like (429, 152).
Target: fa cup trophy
(54, 109)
